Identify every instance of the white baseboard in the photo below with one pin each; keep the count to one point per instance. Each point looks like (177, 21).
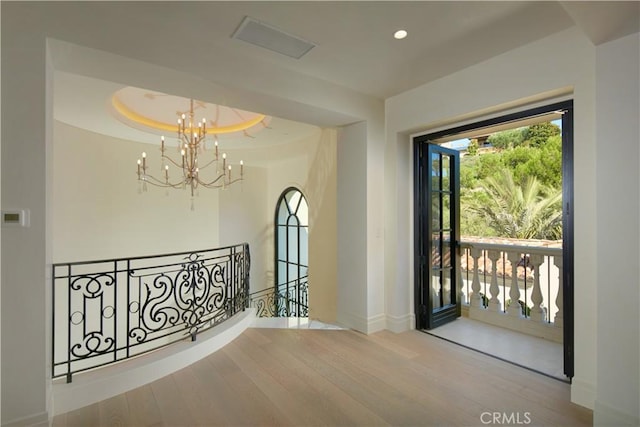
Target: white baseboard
(292, 323)
(349, 321)
(402, 323)
(281, 322)
(583, 393)
(376, 323)
(94, 386)
(362, 324)
(37, 420)
(606, 415)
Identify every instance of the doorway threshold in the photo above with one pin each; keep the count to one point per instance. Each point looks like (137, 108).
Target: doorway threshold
(535, 354)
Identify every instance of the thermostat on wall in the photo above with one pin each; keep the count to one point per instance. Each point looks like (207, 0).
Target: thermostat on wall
(15, 218)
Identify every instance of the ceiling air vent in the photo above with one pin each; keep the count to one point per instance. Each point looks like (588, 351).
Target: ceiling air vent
(268, 37)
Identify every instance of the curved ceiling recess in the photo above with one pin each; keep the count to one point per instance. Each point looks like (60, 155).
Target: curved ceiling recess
(158, 113)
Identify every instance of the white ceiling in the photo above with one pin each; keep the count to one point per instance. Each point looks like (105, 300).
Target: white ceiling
(354, 44)
(85, 103)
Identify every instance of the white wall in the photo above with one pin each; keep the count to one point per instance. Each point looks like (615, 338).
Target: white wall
(315, 175)
(618, 238)
(24, 170)
(375, 229)
(320, 190)
(243, 218)
(352, 227)
(562, 63)
(99, 211)
(0, 240)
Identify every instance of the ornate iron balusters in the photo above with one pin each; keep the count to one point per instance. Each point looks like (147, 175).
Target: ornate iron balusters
(167, 298)
(288, 300)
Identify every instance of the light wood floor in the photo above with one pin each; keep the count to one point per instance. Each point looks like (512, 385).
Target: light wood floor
(284, 377)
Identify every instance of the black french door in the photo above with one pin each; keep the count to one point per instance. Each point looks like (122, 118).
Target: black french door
(435, 300)
(437, 232)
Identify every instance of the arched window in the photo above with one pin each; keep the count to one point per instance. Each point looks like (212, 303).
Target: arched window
(292, 254)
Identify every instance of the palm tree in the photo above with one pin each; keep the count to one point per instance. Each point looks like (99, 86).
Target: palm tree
(528, 210)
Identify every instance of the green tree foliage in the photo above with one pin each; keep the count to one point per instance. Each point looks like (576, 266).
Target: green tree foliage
(535, 171)
(472, 149)
(525, 210)
(507, 139)
(543, 162)
(468, 175)
(489, 164)
(549, 171)
(538, 134)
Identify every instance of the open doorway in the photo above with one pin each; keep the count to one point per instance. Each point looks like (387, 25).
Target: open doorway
(494, 226)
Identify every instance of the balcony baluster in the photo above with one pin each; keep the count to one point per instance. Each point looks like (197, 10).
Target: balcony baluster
(557, 320)
(460, 285)
(538, 312)
(476, 300)
(514, 308)
(494, 289)
(529, 300)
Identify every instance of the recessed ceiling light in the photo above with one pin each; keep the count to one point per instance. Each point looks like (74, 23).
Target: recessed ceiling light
(400, 34)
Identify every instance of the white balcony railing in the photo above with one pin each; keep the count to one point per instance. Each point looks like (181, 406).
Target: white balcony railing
(518, 287)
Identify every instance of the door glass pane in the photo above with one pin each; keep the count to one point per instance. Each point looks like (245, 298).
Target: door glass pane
(435, 211)
(435, 250)
(294, 270)
(435, 171)
(282, 242)
(293, 197)
(292, 221)
(435, 288)
(446, 287)
(446, 173)
(304, 244)
(292, 246)
(282, 272)
(446, 249)
(303, 212)
(283, 213)
(446, 211)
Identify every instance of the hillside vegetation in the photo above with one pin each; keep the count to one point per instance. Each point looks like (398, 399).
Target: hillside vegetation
(514, 190)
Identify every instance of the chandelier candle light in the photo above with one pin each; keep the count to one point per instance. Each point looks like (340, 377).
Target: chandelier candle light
(191, 144)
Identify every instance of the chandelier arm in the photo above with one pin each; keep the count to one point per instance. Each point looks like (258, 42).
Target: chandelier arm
(154, 180)
(157, 183)
(177, 185)
(234, 181)
(213, 185)
(172, 161)
(208, 164)
(208, 184)
(182, 139)
(164, 184)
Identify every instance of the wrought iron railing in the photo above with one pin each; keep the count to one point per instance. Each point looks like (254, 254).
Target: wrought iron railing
(287, 300)
(111, 310)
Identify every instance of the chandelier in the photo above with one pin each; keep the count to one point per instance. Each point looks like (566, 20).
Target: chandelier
(191, 167)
